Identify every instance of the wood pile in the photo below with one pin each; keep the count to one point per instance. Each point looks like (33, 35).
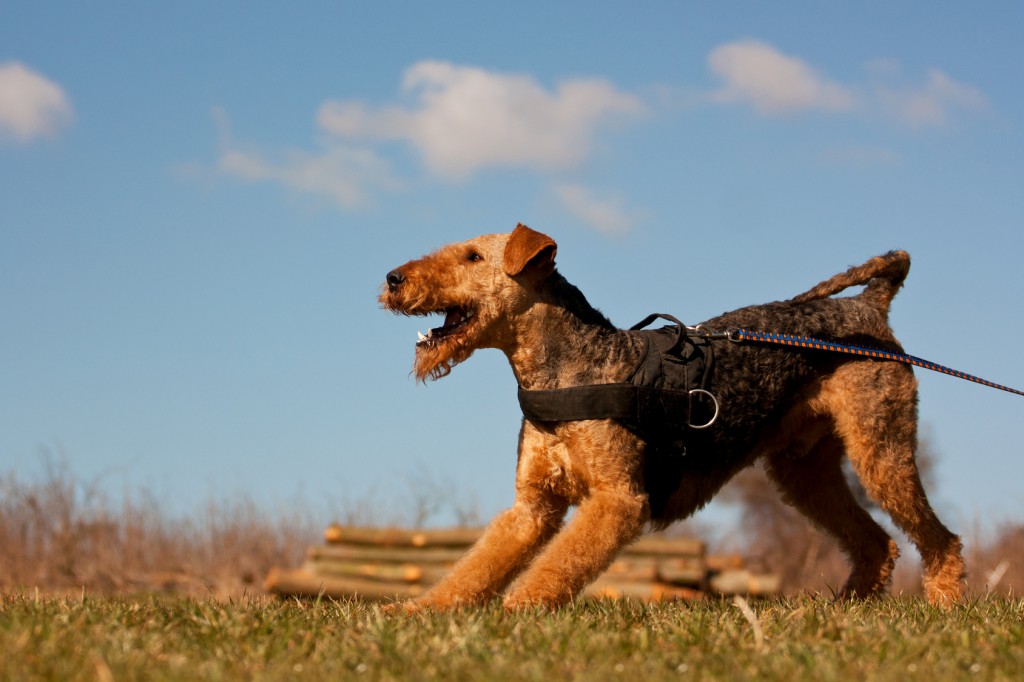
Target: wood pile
(384, 564)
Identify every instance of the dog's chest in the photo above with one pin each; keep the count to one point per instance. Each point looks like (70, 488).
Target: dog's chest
(573, 460)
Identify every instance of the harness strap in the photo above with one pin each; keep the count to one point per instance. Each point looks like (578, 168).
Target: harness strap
(625, 402)
(575, 403)
(818, 344)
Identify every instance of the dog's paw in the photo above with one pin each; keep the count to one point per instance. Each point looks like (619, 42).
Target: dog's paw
(401, 608)
(522, 602)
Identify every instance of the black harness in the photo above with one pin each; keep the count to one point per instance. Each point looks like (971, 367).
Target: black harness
(664, 397)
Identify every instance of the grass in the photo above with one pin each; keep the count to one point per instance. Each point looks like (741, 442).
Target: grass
(117, 638)
(158, 598)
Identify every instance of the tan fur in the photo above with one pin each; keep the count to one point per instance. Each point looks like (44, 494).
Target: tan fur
(507, 288)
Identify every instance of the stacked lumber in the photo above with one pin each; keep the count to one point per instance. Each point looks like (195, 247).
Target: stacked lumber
(387, 563)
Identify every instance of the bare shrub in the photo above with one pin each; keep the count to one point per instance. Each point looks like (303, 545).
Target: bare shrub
(57, 533)
(996, 566)
(778, 539)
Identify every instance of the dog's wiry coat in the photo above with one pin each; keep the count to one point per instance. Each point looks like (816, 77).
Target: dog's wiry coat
(800, 411)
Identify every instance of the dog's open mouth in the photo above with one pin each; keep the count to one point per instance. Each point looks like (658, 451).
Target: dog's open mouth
(455, 321)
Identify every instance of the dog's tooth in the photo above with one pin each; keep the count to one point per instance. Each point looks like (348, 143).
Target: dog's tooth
(420, 336)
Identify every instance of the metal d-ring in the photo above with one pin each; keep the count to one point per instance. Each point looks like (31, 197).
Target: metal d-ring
(713, 400)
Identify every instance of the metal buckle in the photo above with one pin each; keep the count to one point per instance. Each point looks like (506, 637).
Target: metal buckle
(713, 400)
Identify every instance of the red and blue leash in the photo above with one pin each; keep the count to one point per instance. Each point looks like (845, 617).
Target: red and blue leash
(740, 335)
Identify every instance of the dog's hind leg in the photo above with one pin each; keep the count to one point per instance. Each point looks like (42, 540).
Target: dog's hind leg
(874, 405)
(815, 485)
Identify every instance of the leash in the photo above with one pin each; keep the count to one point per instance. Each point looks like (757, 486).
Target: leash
(741, 335)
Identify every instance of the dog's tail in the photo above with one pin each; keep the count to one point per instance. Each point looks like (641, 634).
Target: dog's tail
(883, 276)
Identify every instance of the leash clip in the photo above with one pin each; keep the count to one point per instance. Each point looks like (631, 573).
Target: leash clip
(733, 334)
(708, 333)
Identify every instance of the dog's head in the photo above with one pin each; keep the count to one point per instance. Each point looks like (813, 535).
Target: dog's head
(479, 286)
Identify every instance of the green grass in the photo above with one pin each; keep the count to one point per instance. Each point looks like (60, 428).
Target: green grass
(259, 638)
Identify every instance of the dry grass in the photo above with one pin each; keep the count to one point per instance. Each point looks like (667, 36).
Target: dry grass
(60, 534)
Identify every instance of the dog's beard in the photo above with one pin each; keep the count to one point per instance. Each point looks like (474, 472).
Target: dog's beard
(437, 360)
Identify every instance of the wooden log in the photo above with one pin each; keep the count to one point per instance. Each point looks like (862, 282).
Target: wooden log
(464, 537)
(724, 562)
(743, 581)
(679, 572)
(398, 537)
(692, 572)
(405, 573)
(661, 546)
(633, 569)
(302, 583)
(730, 582)
(653, 591)
(425, 574)
(395, 555)
(765, 584)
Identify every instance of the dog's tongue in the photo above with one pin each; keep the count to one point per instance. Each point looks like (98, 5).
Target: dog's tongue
(453, 317)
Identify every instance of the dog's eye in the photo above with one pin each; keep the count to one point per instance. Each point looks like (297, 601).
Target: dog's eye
(473, 257)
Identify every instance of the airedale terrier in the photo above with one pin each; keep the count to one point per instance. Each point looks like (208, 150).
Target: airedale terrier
(800, 411)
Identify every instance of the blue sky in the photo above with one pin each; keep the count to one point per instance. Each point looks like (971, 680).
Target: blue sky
(201, 200)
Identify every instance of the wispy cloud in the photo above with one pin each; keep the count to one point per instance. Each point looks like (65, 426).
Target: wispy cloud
(605, 212)
(345, 175)
(759, 75)
(31, 105)
(932, 104)
(466, 119)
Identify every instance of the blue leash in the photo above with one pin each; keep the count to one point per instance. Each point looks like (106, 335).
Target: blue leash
(817, 344)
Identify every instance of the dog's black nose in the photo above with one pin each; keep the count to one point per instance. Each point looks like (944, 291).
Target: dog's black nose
(394, 279)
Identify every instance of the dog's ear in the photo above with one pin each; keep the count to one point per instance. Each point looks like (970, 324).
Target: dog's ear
(528, 248)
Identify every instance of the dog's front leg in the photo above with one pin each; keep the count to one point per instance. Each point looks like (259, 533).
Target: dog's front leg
(508, 544)
(603, 524)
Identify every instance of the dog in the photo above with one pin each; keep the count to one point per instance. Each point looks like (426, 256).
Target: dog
(799, 411)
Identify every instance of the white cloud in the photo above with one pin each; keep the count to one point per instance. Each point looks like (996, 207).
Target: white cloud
(465, 119)
(756, 73)
(759, 75)
(31, 105)
(342, 175)
(345, 175)
(604, 213)
(932, 104)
